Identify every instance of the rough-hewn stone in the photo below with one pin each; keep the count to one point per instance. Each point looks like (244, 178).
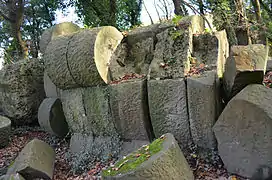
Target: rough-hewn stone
(21, 90)
(249, 58)
(5, 131)
(211, 49)
(203, 105)
(12, 177)
(51, 117)
(87, 111)
(50, 88)
(36, 160)
(136, 51)
(129, 107)
(168, 109)
(169, 163)
(244, 131)
(130, 146)
(269, 65)
(87, 149)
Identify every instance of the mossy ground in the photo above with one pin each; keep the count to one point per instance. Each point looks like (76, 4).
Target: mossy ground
(135, 159)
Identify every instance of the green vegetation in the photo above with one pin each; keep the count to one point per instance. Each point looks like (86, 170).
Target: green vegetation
(135, 159)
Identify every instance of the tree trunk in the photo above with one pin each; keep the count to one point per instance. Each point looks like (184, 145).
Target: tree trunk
(177, 5)
(201, 6)
(257, 9)
(113, 12)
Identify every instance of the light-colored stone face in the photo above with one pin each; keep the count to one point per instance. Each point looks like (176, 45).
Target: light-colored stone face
(4, 121)
(250, 58)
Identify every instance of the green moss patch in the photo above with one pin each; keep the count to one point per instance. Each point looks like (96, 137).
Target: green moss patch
(135, 159)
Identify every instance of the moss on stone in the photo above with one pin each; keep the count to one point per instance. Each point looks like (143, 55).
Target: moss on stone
(135, 159)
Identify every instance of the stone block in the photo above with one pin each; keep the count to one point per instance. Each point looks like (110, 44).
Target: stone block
(244, 131)
(129, 109)
(251, 58)
(21, 90)
(5, 131)
(51, 117)
(36, 160)
(168, 109)
(168, 163)
(87, 111)
(12, 177)
(203, 105)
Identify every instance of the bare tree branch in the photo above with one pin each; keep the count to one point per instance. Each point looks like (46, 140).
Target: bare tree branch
(152, 22)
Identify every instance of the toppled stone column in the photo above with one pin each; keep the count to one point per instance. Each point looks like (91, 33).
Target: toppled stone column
(203, 105)
(168, 109)
(36, 160)
(244, 131)
(51, 90)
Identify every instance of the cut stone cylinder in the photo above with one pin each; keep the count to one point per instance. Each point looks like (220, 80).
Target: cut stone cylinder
(61, 29)
(168, 163)
(244, 131)
(51, 117)
(168, 109)
(36, 160)
(81, 59)
(5, 131)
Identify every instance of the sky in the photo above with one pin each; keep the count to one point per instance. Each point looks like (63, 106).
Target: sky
(71, 16)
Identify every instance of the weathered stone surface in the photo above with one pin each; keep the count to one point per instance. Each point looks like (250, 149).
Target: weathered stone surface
(249, 58)
(168, 109)
(5, 131)
(51, 117)
(136, 51)
(129, 107)
(211, 49)
(61, 29)
(203, 105)
(171, 54)
(86, 149)
(12, 177)
(129, 147)
(36, 160)
(169, 163)
(21, 90)
(50, 88)
(87, 111)
(81, 59)
(244, 131)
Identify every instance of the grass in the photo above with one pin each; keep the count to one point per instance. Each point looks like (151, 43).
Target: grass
(135, 159)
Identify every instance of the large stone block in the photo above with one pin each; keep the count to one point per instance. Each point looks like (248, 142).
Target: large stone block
(203, 105)
(251, 58)
(212, 49)
(244, 131)
(12, 177)
(168, 109)
(87, 111)
(51, 117)
(36, 160)
(5, 131)
(136, 51)
(129, 109)
(21, 90)
(168, 163)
